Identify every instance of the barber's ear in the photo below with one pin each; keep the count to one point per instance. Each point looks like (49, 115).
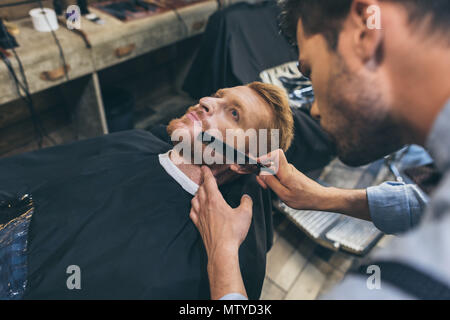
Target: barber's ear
(242, 169)
(365, 19)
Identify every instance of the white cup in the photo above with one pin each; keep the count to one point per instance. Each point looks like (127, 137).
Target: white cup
(44, 20)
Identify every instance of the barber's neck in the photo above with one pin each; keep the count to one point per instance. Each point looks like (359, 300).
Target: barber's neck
(222, 173)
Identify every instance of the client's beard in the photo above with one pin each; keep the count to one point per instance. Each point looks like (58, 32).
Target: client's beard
(221, 172)
(172, 126)
(176, 124)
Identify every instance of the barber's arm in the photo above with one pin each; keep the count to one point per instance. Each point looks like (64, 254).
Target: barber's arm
(393, 207)
(396, 207)
(300, 192)
(223, 229)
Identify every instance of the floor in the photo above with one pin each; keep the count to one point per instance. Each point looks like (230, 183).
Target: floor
(298, 268)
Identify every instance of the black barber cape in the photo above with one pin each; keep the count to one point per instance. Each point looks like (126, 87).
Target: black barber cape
(107, 206)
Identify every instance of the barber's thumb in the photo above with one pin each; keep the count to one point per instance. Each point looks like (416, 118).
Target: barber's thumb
(246, 202)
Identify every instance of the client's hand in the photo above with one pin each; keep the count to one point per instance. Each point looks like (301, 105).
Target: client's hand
(292, 187)
(223, 229)
(219, 225)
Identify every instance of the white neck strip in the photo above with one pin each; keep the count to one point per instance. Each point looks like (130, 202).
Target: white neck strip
(178, 175)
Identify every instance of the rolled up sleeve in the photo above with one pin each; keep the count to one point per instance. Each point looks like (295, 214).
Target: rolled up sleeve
(396, 207)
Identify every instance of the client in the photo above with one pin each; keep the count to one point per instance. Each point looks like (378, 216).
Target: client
(110, 215)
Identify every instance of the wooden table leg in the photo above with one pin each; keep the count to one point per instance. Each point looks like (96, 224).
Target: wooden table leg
(89, 112)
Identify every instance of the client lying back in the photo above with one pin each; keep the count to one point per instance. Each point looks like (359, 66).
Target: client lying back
(116, 208)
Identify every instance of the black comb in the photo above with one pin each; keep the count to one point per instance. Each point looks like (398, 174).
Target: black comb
(229, 150)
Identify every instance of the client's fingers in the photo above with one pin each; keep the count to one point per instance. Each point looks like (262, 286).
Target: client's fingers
(201, 194)
(246, 203)
(195, 204)
(209, 182)
(194, 217)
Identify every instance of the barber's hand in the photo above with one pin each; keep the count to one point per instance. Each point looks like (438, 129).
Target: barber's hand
(292, 187)
(221, 227)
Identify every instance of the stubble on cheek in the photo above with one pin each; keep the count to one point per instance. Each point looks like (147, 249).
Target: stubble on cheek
(362, 127)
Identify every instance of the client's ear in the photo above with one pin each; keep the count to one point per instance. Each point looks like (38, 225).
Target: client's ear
(243, 169)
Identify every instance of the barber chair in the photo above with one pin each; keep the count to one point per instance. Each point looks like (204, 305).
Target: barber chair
(298, 87)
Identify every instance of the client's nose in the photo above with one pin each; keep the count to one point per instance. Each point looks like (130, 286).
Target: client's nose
(208, 105)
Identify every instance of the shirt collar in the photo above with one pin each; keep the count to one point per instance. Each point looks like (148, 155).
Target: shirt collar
(178, 175)
(438, 142)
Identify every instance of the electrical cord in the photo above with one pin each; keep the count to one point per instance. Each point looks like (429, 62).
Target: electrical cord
(179, 17)
(185, 27)
(19, 86)
(61, 52)
(63, 60)
(39, 128)
(24, 86)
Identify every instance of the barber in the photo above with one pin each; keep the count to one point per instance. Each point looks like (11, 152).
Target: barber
(366, 83)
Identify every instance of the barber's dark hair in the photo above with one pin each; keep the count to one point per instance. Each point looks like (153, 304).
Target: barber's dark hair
(326, 16)
(318, 17)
